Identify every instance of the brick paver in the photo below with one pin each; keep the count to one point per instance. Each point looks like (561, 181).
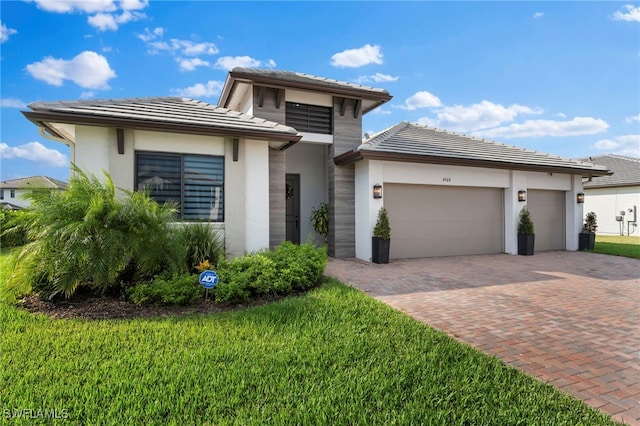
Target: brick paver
(567, 318)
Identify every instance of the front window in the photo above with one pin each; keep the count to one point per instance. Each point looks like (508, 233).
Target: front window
(309, 118)
(13, 193)
(194, 182)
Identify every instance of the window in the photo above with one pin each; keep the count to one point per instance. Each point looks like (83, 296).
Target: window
(13, 193)
(1, 194)
(309, 118)
(194, 182)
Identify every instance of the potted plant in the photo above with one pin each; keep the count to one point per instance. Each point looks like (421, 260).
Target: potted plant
(526, 237)
(320, 220)
(381, 238)
(587, 237)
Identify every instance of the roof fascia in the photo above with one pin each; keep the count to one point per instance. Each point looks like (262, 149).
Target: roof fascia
(42, 118)
(353, 156)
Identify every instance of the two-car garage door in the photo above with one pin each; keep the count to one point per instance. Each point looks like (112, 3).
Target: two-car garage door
(428, 221)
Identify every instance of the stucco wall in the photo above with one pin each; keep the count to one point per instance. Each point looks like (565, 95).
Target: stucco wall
(369, 173)
(607, 204)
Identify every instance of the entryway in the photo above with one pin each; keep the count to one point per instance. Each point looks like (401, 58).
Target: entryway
(292, 197)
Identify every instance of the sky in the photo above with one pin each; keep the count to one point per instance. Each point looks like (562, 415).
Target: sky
(556, 77)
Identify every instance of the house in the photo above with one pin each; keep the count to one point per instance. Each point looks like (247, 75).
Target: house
(279, 143)
(13, 191)
(616, 198)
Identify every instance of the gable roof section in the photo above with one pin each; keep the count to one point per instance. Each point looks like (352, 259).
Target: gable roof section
(295, 80)
(33, 182)
(626, 171)
(173, 114)
(415, 143)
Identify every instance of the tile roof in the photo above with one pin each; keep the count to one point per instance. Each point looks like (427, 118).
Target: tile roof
(162, 113)
(412, 142)
(33, 182)
(296, 77)
(626, 171)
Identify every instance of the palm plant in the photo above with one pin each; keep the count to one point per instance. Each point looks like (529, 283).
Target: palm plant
(91, 235)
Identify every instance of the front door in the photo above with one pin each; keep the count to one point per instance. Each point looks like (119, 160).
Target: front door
(293, 208)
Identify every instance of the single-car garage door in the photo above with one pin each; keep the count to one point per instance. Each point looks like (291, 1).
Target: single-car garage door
(547, 212)
(429, 221)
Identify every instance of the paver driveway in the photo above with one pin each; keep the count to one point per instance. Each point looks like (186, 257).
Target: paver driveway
(567, 318)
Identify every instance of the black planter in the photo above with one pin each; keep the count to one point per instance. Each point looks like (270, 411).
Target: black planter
(525, 244)
(380, 250)
(586, 241)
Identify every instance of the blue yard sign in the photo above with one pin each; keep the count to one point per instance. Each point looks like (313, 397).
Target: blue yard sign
(208, 279)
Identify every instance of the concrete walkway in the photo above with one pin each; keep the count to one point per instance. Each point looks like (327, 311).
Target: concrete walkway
(571, 319)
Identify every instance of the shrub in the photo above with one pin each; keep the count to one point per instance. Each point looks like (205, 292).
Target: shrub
(90, 236)
(288, 268)
(590, 225)
(320, 220)
(382, 229)
(171, 290)
(525, 225)
(13, 228)
(201, 243)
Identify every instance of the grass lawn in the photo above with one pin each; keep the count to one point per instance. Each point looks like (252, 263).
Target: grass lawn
(332, 356)
(618, 245)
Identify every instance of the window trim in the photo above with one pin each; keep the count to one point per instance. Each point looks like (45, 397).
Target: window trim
(182, 156)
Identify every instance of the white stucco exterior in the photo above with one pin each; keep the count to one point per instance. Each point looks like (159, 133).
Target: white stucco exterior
(371, 172)
(607, 203)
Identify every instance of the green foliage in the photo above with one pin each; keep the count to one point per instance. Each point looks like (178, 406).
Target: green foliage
(13, 228)
(167, 289)
(590, 225)
(332, 356)
(525, 224)
(618, 245)
(201, 242)
(382, 229)
(288, 268)
(91, 235)
(320, 220)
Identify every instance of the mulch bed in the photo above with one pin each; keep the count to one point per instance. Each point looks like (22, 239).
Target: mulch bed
(91, 307)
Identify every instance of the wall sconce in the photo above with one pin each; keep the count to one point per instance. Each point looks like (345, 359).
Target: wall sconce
(522, 195)
(580, 197)
(377, 191)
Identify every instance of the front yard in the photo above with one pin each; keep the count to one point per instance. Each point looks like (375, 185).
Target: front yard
(332, 356)
(626, 246)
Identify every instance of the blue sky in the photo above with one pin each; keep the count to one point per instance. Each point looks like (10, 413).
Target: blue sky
(557, 77)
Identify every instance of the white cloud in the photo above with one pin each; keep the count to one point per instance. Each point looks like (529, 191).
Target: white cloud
(629, 13)
(67, 6)
(560, 115)
(36, 152)
(88, 70)
(353, 58)
(628, 145)
(538, 128)
(12, 103)
(87, 94)
(421, 99)
(151, 35)
(538, 15)
(108, 14)
(376, 78)
(5, 32)
(483, 115)
(230, 62)
(632, 118)
(179, 47)
(210, 89)
(191, 64)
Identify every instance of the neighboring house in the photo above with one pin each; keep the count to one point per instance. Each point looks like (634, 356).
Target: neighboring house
(615, 199)
(13, 192)
(257, 179)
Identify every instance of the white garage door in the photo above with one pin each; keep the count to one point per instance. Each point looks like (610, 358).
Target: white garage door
(429, 221)
(547, 212)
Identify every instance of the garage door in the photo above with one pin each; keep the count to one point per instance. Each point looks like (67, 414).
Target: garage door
(429, 221)
(547, 212)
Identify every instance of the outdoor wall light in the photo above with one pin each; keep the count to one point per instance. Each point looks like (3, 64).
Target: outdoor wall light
(580, 197)
(377, 191)
(522, 195)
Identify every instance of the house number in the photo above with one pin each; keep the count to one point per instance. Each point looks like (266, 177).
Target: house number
(446, 179)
